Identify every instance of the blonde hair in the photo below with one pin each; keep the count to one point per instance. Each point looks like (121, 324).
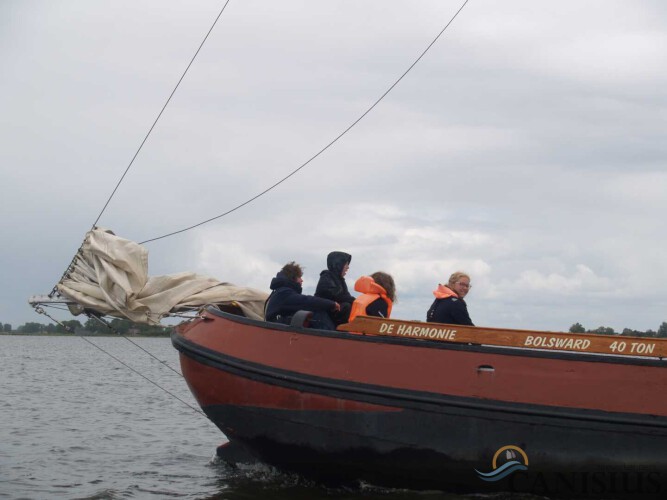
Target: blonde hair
(455, 277)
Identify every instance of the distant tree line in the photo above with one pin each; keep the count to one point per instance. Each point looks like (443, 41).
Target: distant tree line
(126, 327)
(605, 330)
(90, 327)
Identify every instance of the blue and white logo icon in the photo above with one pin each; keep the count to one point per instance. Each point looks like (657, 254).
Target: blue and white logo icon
(506, 461)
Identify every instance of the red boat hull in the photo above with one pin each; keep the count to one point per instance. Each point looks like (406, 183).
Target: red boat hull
(423, 414)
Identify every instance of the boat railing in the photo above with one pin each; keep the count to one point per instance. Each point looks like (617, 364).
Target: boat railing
(650, 347)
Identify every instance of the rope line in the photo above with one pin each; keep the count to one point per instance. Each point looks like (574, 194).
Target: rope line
(105, 323)
(325, 147)
(40, 310)
(69, 267)
(160, 114)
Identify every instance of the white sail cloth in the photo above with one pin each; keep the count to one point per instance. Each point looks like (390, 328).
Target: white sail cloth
(110, 276)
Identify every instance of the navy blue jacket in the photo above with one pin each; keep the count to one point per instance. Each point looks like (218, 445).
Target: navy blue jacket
(451, 310)
(286, 299)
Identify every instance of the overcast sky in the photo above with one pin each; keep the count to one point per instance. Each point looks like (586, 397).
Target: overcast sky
(527, 147)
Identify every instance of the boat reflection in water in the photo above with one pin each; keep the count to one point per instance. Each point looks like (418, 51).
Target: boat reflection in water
(428, 406)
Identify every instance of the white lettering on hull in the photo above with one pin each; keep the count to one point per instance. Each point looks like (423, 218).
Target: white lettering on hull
(417, 331)
(557, 343)
(621, 346)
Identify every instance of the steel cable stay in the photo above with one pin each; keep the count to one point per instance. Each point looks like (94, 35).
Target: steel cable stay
(69, 267)
(105, 323)
(160, 113)
(293, 172)
(54, 291)
(40, 310)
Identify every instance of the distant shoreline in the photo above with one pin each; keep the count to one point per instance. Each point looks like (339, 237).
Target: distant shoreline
(86, 334)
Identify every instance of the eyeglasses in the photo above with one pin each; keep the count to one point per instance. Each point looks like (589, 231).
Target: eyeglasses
(464, 285)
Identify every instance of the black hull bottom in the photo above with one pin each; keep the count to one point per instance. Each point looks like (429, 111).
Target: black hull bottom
(447, 451)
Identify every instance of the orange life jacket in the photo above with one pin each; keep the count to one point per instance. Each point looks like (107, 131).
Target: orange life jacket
(442, 292)
(371, 292)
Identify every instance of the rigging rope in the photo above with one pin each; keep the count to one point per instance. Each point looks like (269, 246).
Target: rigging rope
(71, 264)
(160, 114)
(105, 323)
(40, 310)
(324, 148)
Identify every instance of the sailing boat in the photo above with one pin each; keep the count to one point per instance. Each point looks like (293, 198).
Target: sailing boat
(424, 405)
(401, 403)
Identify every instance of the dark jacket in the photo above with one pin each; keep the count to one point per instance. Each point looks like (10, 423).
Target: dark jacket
(448, 308)
(332, 285)
(286, 299)
(378, 308)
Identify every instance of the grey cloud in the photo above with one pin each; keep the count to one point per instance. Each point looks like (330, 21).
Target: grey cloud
(528, 140)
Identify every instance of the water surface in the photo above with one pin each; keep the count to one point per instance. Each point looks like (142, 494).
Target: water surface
(75, 423)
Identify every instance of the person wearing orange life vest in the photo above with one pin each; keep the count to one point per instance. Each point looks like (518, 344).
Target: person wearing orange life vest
(378, 296)
(449, 306)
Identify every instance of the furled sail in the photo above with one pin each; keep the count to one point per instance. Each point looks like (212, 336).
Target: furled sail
(110, 276)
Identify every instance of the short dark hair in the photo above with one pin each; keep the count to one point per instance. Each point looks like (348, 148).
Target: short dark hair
(292, 271)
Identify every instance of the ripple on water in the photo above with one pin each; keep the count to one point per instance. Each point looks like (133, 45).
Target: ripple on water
(77, 425)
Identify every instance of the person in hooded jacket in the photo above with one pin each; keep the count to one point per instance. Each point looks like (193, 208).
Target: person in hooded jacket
(449, 306)
(332, 285)
(378, 296)
(286, 297)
